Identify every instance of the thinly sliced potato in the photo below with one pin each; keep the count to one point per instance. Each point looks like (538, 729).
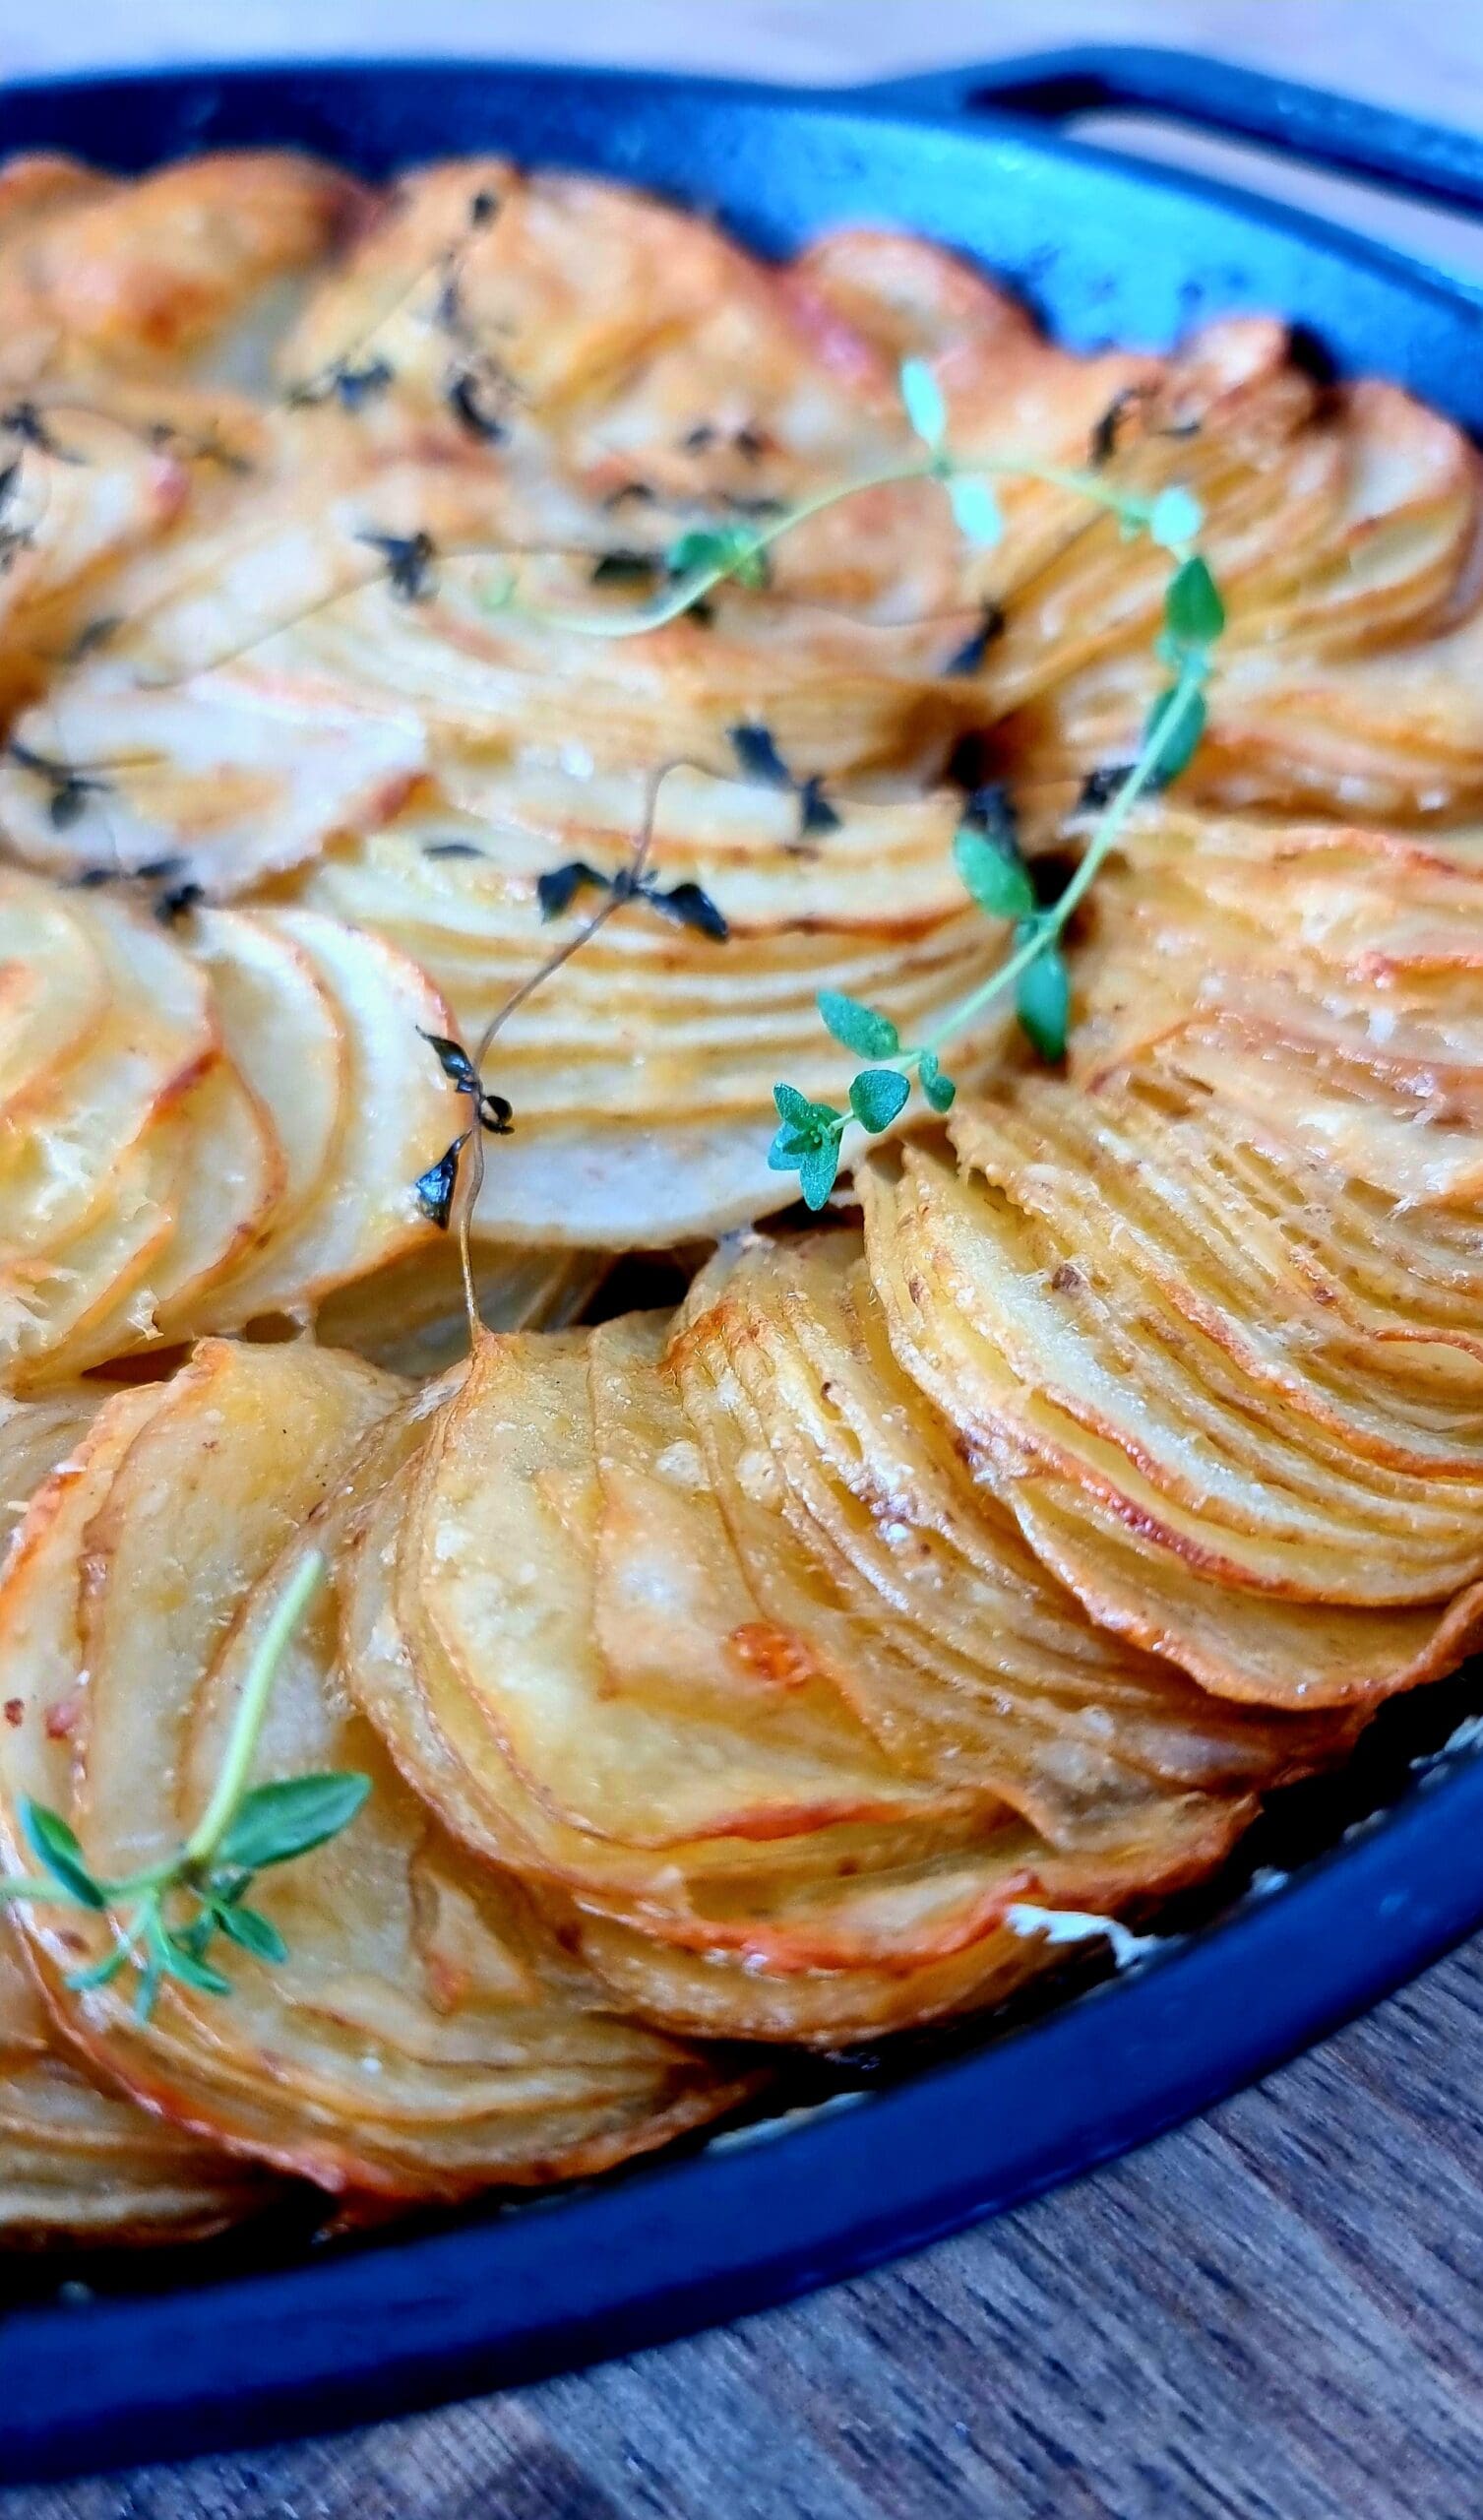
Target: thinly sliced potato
(36, 1434)
(410, 1318)
(149, 274)
(227, 779)
(54, 989)
(396, 1115)
(150, 1042)
(82, 2165)
(1271, 1563)
(496, 2059)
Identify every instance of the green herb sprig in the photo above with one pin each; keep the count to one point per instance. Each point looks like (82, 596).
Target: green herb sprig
(165, 1918)
(702, 558)
(810, 1134)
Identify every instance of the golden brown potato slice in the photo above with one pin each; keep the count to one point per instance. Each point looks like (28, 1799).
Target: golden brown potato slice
(641, 1073)
(409, 1317)
(1011, 1680)
(547, 284)
(152, 273)
(79, 2161)
(147, 1046)
(82, 2166)
(497, 1590)
(81, 493)
(398, 1113)
(496, 2059)
(1325, 1578)
(578, 1658)
(34, 1436)
(227, 779)
(54, 990)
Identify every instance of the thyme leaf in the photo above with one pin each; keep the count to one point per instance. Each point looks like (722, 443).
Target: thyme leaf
(164, 1918)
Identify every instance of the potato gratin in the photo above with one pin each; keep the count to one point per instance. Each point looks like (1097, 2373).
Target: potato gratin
(478, 661)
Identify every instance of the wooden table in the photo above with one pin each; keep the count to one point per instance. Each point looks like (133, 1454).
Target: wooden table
(1271, 2315)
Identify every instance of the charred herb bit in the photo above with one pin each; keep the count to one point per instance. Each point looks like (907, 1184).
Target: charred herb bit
(751, 443)
(967, 659)
(815, 812)
(451, 849)
(409, 561)
(559, 886)
(700, 439)
(762, 510)
(495, 1113)
(635, 493)
(1101, 786)
(686, 904)
(13, 538)
(689, 907)
(626, 568)
(483, 209)
(95, 635)
(164, 1920)
(453, 1060)
(469, 394)
(23, 420)
(990, 809)
(354, 386)
(350, 386)
(434, 1189)
(204, 445)
(756, 749)
(1108, 429)
(178, 901)
(69, 789)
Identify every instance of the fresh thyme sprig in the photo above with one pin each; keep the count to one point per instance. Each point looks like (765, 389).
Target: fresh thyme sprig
(810, 1134)
(702, 558)
(166, 1917)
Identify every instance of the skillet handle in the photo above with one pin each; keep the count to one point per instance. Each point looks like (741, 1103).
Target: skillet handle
(1426, 161)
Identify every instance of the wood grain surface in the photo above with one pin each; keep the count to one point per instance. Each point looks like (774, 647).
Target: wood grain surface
(1275, 2314)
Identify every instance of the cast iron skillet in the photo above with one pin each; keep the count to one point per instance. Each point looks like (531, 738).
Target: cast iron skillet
(1110, 251)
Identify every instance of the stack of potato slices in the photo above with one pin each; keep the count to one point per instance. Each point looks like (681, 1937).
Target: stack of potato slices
(788, 1671)
(791, 1723)
(359, 641)
(428, 2033)
(196, 1139)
